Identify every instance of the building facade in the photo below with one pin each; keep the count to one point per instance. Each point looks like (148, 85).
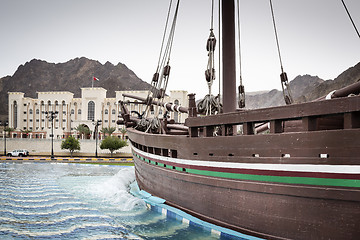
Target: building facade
(29, 119)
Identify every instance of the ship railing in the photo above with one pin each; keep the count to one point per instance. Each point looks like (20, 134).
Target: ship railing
(338, 113)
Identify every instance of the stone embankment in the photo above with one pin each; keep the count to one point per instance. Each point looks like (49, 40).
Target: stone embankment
(42, 147)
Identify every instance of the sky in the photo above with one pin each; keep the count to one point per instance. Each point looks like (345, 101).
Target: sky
(316, 37)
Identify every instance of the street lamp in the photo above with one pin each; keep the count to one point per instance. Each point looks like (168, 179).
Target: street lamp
(5, 123)
(97, 124)
(51, 115)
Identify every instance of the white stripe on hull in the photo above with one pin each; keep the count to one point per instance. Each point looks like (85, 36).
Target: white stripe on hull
(349, 169)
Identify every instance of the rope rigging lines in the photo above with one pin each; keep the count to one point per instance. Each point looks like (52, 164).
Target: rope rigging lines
(161, 76)
(283, 76)
(210, 104)
(241, 89)
(348, 13)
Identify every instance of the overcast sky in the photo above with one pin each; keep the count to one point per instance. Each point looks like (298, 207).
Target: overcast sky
(316, 37)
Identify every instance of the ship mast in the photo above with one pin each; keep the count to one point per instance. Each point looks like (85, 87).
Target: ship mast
(228, 55)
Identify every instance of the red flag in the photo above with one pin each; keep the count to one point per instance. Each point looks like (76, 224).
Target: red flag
(96, 79)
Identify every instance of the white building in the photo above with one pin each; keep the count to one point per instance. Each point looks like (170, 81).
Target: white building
(29, 119)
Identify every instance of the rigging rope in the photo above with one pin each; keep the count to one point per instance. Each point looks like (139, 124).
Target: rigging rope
(219, 26)
(241, 100)
(348, 13)
(210, 104)
(283, 76)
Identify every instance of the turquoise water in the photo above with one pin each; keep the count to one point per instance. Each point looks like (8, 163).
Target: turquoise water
(75, 201)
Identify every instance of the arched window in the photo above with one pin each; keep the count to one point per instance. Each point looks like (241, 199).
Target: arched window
(106, 111)
(37, 111)
(63, 103)
(72, 111)
(30, 111)
(113, 111)
(79, 111)
(176, 114)
(91, 110)
(15, 114)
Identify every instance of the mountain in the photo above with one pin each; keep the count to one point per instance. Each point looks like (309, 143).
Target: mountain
(304, 88)
(38, 76)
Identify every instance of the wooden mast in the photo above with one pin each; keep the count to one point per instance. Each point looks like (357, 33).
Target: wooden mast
(228, 55)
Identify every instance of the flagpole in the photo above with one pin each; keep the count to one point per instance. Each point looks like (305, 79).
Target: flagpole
(92, 82)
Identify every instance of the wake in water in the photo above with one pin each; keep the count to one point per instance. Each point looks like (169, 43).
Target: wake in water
(116, 191)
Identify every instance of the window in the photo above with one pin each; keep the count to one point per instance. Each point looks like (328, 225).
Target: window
(30, 120)
(37, 111)
(113, 121)
(24, 120)
(64, 112)
(106, 111)
(24, 104)
(91, 110)
(15, 114)
(72, 111)
(64, 120)
(24, 112)
(37, 120)
(176, 114)
(106, 121)
(79, 111)
(30, 111)
(113, 111)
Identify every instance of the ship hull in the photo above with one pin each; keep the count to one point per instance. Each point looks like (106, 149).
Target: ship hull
(303, 195)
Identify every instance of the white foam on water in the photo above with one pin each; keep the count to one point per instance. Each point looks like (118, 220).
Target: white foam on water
(36, 200)
(41, 206)
(115, 191)
(55, 221)
(52, 233)
(38, 213)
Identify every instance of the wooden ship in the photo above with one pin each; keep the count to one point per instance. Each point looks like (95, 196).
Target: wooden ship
(299, 180)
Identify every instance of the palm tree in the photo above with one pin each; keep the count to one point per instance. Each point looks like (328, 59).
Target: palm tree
(83, 130)
(108, 130)
(9, 130)
(25, 132)
(123, 132)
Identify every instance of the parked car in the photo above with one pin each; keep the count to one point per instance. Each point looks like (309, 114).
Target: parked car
(18, 153)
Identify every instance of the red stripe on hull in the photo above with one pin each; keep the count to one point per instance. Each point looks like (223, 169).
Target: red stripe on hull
(261, 172)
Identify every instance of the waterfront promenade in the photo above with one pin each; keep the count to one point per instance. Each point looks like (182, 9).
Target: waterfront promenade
(100, 160)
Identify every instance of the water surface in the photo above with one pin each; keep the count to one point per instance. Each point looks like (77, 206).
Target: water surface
(75, 201)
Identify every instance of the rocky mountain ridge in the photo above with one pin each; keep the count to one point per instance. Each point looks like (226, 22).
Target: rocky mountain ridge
(38, 75)
(304, 88)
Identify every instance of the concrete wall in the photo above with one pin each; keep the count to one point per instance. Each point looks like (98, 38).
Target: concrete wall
(40, 147)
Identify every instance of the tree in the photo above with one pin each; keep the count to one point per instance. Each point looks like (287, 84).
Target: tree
(70, 143)
(112, 143)
(123, 132)
(83, 130)
(108, 130)
(9, 130)
(25, 132)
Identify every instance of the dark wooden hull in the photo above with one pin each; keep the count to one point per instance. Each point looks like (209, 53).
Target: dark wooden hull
(297, 182)
(279, 209)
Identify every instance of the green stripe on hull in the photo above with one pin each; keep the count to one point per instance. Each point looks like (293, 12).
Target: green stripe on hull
(280, 179)
(266, 178)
